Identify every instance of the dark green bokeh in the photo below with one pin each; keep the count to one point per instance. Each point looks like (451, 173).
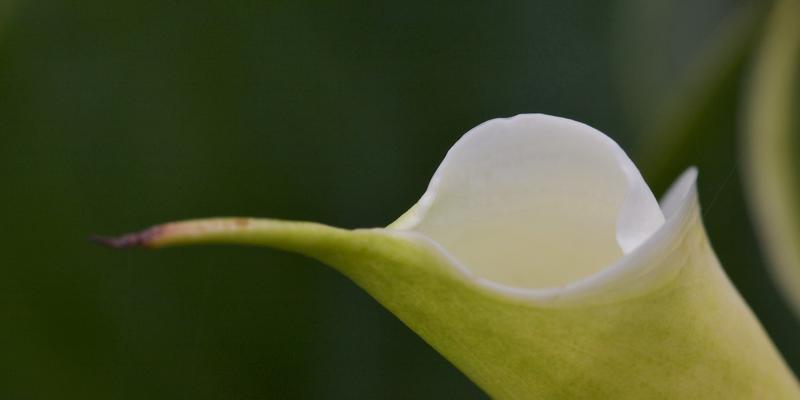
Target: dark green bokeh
(116, 116)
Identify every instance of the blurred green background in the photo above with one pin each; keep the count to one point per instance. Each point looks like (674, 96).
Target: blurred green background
(116, 115)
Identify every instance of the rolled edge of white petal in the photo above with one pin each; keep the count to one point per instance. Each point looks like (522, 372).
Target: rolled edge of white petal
(652, 264)
(640, 271)
(642, 233)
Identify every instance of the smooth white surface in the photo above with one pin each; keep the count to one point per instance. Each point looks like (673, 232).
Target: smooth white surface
(534, 202)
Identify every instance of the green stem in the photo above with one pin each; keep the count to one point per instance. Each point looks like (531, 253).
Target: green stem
(295, 236)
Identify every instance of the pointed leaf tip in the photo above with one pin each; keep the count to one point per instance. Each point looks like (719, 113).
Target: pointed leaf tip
(143, 238)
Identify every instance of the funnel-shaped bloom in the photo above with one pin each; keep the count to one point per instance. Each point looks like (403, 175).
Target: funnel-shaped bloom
(540, 264)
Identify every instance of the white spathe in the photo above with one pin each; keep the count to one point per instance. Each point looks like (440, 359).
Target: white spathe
(539, 263)
(535, 201)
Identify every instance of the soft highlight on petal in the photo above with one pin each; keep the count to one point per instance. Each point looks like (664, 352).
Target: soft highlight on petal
(535, 201)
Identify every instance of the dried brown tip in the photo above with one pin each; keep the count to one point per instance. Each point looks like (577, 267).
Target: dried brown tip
(137, 239)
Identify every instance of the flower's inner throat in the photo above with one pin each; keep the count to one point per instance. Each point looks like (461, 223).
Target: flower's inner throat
(535, 201)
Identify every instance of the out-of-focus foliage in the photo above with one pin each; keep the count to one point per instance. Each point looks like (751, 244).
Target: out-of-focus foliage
(771, 129)
(119, 114)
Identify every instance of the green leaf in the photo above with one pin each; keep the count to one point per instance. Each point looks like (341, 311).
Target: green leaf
(691, 117)
(772, 125)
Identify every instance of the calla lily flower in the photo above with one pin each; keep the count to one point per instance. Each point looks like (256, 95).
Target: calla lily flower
(541, 265)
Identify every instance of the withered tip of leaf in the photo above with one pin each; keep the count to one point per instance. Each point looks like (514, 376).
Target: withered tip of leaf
(137, 239)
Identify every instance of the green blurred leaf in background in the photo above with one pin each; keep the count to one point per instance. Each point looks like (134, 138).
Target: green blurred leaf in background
(770, 146)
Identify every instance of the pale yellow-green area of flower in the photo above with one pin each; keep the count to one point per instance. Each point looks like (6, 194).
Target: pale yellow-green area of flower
(540, 264)
(772, 168)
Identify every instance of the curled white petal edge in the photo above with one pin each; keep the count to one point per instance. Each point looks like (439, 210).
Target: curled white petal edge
(637, 271)
(635, 223)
